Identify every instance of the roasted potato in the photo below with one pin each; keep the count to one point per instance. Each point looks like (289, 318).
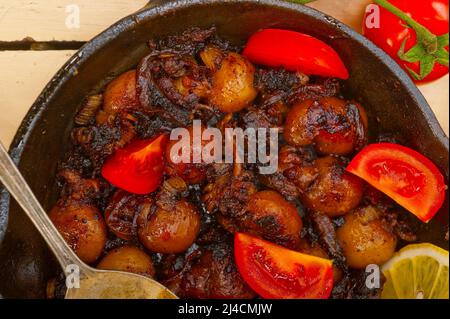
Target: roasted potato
(365, 238)
(334, 191)
(129, 259)
(232, 81)
(335, 126)
(270, 216)
(169, 231)
(82, 227)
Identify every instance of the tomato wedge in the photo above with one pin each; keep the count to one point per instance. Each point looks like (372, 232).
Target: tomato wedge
(403, 174)
(275, 272)
(138, 168)
(294, 51)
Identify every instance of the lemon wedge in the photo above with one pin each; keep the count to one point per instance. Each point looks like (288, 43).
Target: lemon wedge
(418, 271)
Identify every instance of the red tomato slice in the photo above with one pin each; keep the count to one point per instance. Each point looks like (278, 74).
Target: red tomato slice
(275, 272)
(138, 168)
(295, 52)
(403, 174)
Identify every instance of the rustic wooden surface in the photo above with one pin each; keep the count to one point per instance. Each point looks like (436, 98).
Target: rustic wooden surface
(23, 74)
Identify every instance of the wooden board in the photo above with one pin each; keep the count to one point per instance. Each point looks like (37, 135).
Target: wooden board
(44, 20)
(25, 73)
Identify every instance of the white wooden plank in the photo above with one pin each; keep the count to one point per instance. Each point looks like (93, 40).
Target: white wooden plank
(24, 74)
(45, 20)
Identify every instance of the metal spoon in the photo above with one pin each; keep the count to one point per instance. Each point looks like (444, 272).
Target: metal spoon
(83, 282)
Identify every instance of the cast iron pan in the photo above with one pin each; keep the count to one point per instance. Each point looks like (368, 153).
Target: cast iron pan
(393, 102)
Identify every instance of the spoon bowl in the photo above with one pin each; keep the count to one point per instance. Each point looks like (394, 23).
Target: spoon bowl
(101, 284)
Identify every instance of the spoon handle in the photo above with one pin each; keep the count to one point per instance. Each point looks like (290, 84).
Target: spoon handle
(19, 189)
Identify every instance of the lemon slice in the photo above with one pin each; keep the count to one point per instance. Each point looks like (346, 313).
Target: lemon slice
(417, 271)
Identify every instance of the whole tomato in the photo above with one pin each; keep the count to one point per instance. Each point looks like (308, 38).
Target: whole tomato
(414, 33)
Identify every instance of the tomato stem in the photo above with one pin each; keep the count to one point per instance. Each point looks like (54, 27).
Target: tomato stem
(430, 40)
(430, 48)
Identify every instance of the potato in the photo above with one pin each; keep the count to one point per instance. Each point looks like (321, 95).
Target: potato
(334, 125)
(232, 82)
(335, 191)
(270, 216)
(169, 231)
(129, 259)
(82, 227)
(365, 239)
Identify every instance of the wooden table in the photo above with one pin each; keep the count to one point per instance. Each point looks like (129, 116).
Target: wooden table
(24, 72)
